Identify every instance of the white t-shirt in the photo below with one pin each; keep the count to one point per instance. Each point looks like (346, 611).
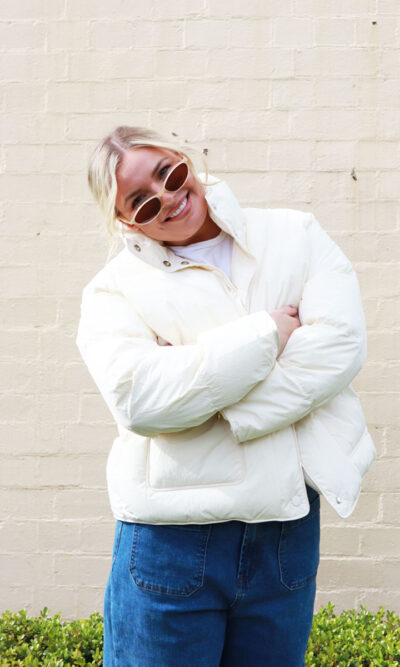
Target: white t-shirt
(216, 251)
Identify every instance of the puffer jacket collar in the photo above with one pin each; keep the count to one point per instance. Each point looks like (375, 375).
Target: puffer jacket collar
(224, 209)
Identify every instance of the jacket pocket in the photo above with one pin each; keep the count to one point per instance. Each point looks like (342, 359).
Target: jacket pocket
(298, 552)
(169, 559)
(205, 455)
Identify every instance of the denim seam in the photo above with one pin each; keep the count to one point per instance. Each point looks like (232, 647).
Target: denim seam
(117, 545)
(240, 578)
(283, 570)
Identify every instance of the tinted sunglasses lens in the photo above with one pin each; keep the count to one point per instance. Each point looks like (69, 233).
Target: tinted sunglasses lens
(177, 177)
(148, 211)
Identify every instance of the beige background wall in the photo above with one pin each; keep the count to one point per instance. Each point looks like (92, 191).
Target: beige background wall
(291, 99)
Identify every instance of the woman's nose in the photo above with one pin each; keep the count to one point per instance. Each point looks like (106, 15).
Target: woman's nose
(167, 203)
(154, 188)
(166, 197)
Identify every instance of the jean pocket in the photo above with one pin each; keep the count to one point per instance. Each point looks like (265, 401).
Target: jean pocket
(299, 548)
(169, 559)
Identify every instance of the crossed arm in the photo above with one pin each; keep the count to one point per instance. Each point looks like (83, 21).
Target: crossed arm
(321, 357)
(153, 389)
(232, 368)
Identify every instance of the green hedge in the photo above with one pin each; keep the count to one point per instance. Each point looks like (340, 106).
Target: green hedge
(47, 641)
(349, 639)
(354, 639)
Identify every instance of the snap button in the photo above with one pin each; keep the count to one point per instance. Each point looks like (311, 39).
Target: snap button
(185, 262)
(166, 262)
(338, 500)
(137, 247)
(296, 500)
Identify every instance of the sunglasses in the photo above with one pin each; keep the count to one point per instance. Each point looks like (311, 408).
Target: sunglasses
(150, 208)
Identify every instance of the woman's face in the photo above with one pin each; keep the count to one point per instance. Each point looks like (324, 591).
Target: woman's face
(141, 175)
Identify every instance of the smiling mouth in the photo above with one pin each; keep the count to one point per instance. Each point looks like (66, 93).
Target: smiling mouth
(179, 210)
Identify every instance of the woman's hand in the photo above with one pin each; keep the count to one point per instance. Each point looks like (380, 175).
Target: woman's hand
(287, 321)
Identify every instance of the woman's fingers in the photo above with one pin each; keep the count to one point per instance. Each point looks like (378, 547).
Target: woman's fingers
(287, 321)
(288, 309)
(285, 310)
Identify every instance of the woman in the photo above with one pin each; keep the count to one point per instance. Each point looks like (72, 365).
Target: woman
(223, 340)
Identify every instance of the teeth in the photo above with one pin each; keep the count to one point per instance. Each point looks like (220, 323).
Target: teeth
(180, 209)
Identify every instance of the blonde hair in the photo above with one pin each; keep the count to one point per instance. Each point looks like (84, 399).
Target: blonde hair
(107, 157)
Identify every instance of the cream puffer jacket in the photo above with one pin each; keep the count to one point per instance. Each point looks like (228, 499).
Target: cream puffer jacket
(213, 426)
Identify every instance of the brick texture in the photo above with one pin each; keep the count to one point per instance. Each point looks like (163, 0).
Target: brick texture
(298, 104)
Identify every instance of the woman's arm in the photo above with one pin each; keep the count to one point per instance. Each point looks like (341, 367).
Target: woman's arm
(321, 357)
(153, 389)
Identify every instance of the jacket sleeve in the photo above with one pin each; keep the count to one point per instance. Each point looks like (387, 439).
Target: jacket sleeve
(153, 389)
(321, 357)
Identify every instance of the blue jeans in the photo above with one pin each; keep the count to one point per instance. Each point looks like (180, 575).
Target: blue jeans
(228, 594)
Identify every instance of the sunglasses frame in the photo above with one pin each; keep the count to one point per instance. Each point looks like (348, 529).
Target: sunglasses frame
(132, 222)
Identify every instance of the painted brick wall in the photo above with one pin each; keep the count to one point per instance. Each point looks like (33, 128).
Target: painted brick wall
(298, 104)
